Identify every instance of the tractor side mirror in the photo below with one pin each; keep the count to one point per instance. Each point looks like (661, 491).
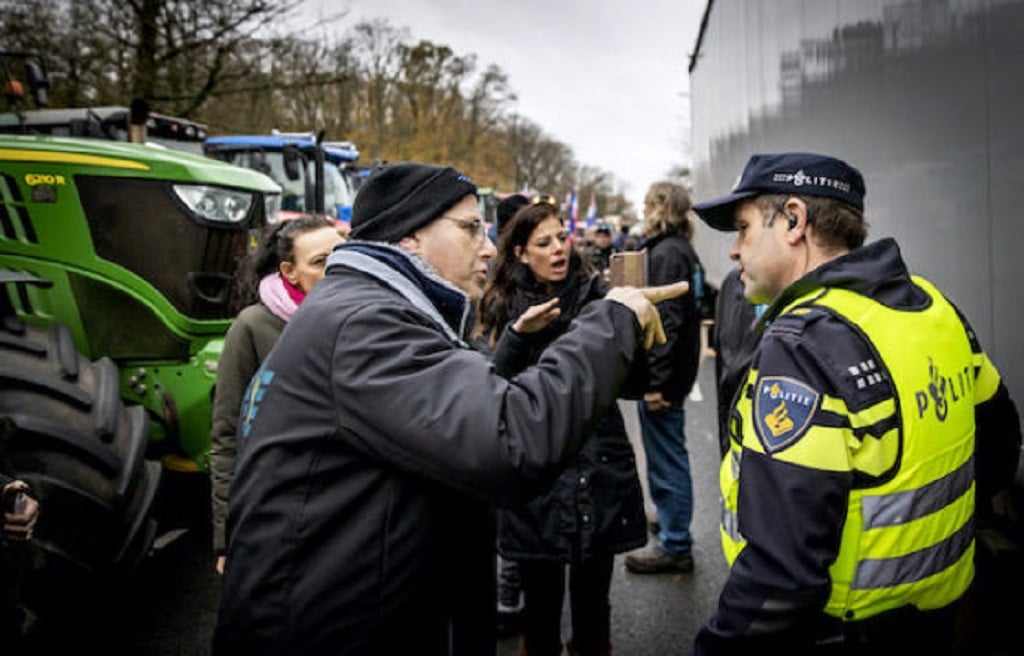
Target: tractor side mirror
(293, 161)
(38, 83)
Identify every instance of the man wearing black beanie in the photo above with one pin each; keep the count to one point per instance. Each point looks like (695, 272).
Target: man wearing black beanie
(372, 434)
(405, 196)
(507, 208)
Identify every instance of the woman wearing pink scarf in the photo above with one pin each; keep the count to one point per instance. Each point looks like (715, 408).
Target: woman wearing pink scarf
(289, 261)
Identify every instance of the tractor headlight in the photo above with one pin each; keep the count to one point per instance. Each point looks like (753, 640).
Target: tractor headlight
(215, 203)
(271, 206)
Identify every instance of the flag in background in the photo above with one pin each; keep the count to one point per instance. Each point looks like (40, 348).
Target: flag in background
(567, 208)
(573, 212)
(592, 212)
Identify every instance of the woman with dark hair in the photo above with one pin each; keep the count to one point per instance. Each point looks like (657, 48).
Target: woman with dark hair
(288, 262)
(594, 509)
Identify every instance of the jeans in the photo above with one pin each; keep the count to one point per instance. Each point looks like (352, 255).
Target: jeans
(668, 474)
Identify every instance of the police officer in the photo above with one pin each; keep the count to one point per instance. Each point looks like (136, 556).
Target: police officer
(869, 421)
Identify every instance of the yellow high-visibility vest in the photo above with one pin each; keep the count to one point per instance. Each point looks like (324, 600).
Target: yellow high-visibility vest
(908, 536)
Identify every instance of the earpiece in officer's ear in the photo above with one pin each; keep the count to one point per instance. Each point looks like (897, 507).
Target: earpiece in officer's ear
(792, 220)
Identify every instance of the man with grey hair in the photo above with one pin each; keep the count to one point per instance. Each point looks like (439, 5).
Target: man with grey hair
(373, 434)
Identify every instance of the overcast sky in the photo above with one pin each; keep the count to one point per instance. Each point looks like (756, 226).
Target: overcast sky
(606, 77)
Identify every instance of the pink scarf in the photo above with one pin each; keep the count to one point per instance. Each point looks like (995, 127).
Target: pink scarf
(280, 296)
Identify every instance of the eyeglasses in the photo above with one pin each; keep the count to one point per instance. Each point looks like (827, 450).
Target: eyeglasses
(477, 228)
(542, 198)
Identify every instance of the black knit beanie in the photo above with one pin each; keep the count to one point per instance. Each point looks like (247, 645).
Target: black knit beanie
(399, 198)
(507, 208)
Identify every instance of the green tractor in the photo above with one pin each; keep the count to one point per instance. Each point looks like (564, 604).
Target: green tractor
(117, 265)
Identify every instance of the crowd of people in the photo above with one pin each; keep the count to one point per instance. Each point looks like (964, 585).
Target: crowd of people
(434, 440)
(374, 441)
(417, 430)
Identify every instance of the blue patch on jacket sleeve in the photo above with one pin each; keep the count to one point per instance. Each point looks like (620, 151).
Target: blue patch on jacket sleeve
(258, 385)
(783, 408)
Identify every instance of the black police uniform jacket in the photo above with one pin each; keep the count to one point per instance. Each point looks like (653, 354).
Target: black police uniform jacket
(364, 437)
(595, 507)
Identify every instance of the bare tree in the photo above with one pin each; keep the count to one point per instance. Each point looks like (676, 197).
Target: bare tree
(375, 46)
(485, 145)
(233, 65)
(171, 52)
(429, 111)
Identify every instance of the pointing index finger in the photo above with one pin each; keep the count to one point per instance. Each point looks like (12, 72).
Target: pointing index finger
(665, 292)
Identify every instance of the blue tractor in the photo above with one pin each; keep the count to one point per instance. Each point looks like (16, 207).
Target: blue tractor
(315, 177)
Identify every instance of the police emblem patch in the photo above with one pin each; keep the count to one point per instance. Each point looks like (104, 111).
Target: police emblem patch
(783, 408)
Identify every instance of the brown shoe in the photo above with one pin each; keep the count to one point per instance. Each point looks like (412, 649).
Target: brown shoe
(652, 559)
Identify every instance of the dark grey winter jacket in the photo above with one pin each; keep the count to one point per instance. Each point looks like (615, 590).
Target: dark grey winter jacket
(371, 427)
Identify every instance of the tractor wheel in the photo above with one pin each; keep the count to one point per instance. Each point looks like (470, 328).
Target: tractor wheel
(65, 431)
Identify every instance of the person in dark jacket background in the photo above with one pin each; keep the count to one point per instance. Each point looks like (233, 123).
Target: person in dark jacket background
(734, 340)
(372, 434)
(600, 252)
(672, 370)
(595, 507)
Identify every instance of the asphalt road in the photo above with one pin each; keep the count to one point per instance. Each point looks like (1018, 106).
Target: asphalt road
(169, 606)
